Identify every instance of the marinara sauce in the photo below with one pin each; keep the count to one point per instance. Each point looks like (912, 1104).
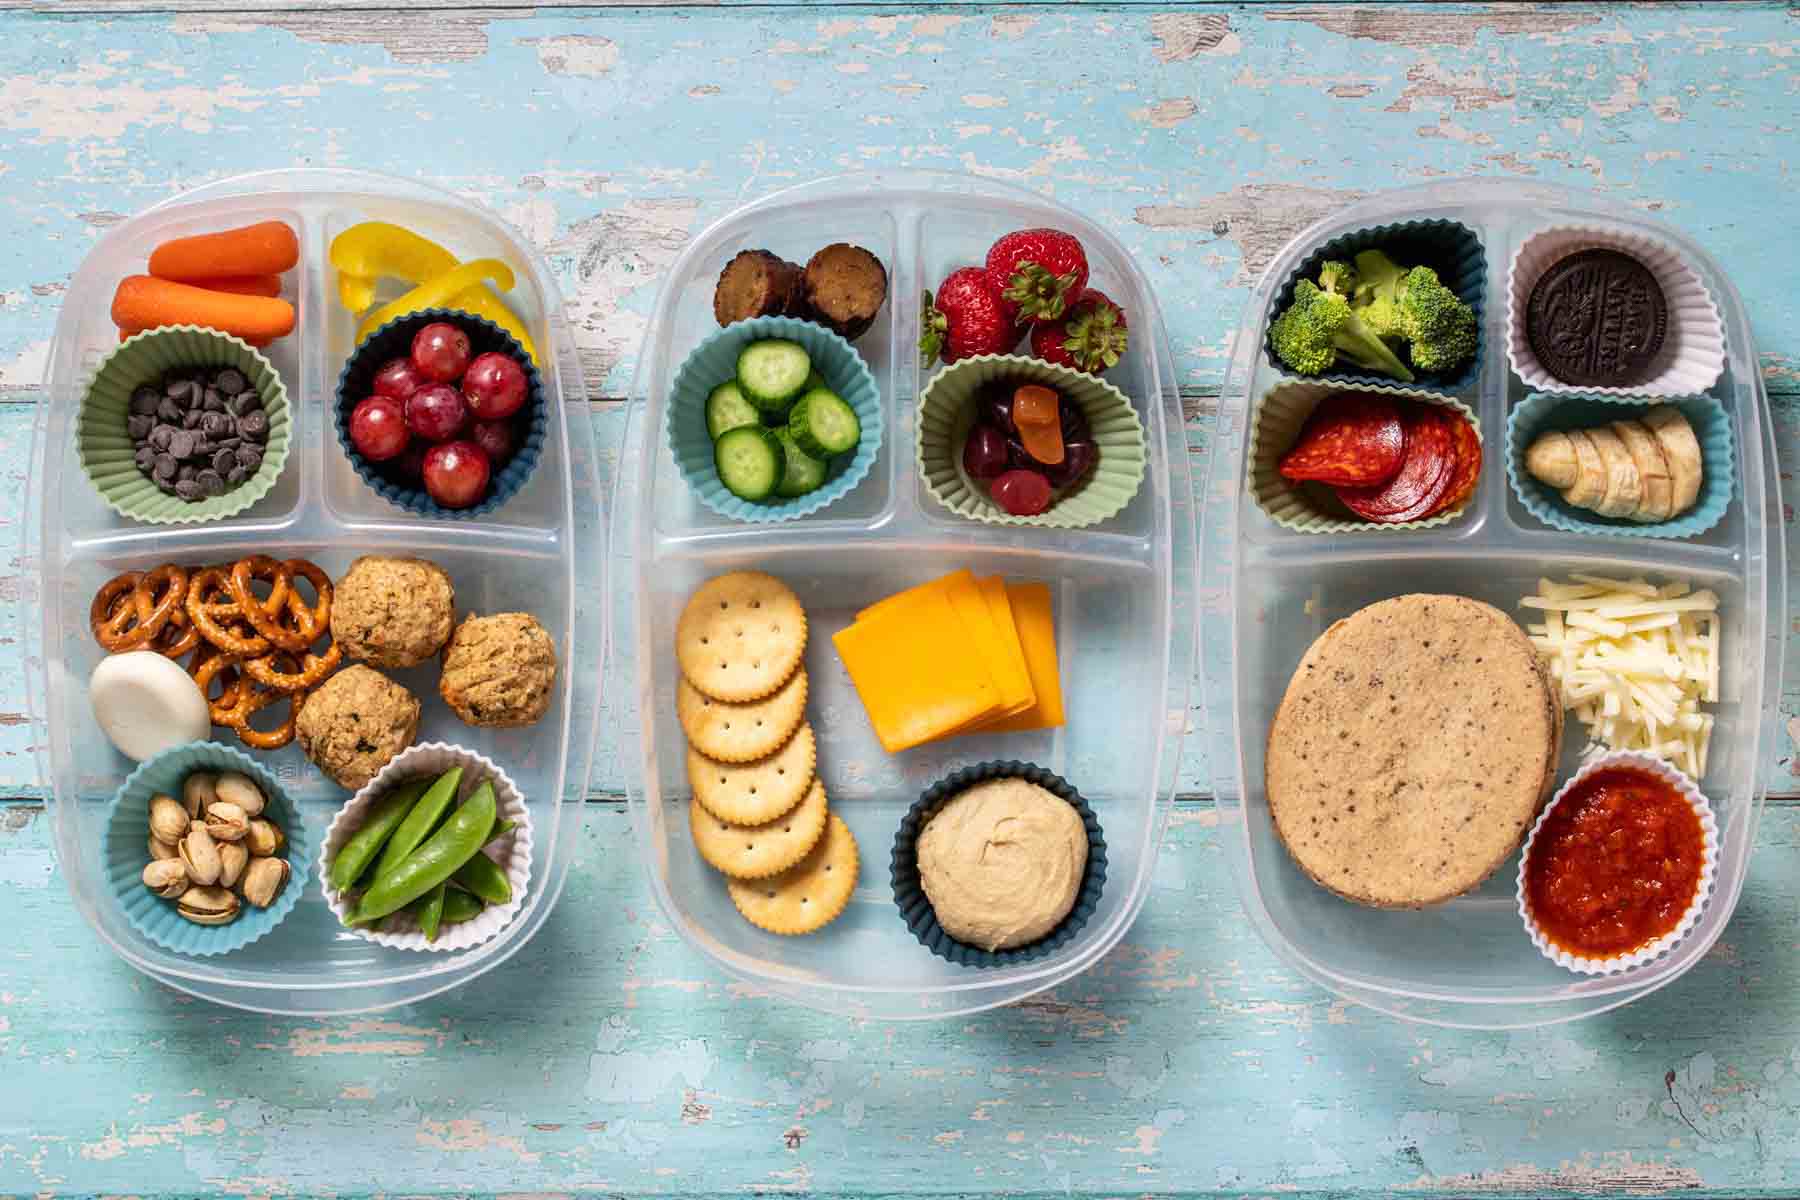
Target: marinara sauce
(1616, 863)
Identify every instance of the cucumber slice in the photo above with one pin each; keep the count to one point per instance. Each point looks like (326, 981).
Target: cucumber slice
(772, 372)
(802, 472)
(814, 380)
(823, 425)
(726, 409)
(749, 461)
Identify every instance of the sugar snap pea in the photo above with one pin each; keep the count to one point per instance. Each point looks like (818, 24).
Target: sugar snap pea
(459, 906)
(434, 862)
(384, 817)
(431, 911)
(483, 876)
(502, 827)
(419, 822)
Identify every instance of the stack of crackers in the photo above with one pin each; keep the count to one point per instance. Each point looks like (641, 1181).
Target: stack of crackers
(758, 812)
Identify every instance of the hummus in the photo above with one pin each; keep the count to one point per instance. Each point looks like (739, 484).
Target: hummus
(1002, 863)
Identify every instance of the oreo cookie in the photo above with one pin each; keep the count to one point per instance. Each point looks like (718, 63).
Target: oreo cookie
(1597, 318)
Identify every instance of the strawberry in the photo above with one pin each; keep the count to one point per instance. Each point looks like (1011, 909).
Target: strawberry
(970, 317)
(1090, 337)
(1040, 270)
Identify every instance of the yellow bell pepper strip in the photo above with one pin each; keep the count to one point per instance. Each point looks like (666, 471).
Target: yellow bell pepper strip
(437, 292)
(367, 252)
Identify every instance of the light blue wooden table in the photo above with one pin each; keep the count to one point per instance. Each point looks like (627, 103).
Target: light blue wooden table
(606, 1056)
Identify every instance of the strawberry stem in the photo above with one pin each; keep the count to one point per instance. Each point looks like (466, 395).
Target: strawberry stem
(1096, 340)
(1040, 295)
(934, 328)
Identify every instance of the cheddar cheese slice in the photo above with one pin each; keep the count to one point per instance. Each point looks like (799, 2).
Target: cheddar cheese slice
(1005, 667)
(1032, 614)
(916, 669)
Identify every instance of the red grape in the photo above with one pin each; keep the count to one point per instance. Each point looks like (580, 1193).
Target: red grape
(994, 402)
(494, 386)
(436, 412)
(440, 351)
(398, 378)
(409, 467)
(1022, 493)
(378, 428)
(1078, 459)
(984, 453)
(496, 437)
(456, 473)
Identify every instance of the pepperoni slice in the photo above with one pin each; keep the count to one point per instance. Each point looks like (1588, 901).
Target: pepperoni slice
(1468, 465)
(1353, 439)
(1423, 478)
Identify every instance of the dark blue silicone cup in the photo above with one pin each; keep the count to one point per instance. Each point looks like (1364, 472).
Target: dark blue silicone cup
(1448, 247)
(915, 906)
(394, 340)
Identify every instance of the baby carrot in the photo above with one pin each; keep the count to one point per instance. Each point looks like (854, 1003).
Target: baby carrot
(266, 248)
(244, 285)
(143, 302)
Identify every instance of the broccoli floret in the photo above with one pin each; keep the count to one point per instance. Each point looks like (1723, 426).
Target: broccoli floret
(1338, 278)
(1378, 280)
(1319, 327)
(1439, 328)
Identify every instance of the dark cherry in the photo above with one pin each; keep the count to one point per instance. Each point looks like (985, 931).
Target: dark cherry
(1078, 459)
(1074, 422)
(984, 452)
(994, 405)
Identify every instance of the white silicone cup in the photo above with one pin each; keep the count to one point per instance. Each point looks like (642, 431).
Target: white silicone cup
(512, 852)
(1693, 353)
(1709, 830)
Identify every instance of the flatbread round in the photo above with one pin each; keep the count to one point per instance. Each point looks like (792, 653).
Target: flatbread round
(1413, 748)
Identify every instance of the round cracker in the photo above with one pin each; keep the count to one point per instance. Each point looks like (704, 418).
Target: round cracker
(741, 636)
(734, 733)
(1410, 752)
(808, 895)
(756, 851)
(754, 792)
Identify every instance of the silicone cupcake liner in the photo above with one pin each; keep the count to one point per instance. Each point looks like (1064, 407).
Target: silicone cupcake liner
(512, 852)
(1313, 507)
(1693, 353)
(915, 906)
(104, 446)
(947, 412)
(1450, 248)
(1541, 413)
(1702, 893)
(714, 361)
(124, 851)
(394, 340)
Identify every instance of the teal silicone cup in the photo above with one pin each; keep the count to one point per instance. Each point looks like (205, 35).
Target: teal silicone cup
(1542, 412)
(915, 906)
(1450, 248)
(125, 849)
(714, 361)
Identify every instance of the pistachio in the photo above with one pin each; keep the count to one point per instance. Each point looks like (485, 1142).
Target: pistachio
(197, 792)
(200, 854)
(265, 838)
(239, 789)
(233, 858)
(161, 851)
(166, 877)
(264, 879)
(168, 820)
(209, 906)
(226, 822)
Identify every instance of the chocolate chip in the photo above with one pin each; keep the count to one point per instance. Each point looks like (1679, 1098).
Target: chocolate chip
(160, 436)
(236, 476)
(188, 490)
(163, 467)
(230, 381)
(244, 402)
(180, 389)
(211, 482)
(144, 457)
(144, 401)
(254, 426)
(166, 486)
(185, 471)
(192, 419)
(213, 400)
(181, 445)
(203, 447)
(230, 442)
(169, 410)
(249, 457)
(223, 461)
(216, 425)
(138, 426)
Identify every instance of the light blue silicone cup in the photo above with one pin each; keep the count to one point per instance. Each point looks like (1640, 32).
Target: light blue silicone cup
(1542, 412)
(125, 849)
(714, 361)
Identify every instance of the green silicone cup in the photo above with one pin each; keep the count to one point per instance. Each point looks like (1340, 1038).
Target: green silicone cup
(104, 447)
(947, 412)
(1313, 507)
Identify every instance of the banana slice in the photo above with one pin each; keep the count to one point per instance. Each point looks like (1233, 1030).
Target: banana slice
(1622, 490)
(1658, 499)
(1590, 472)
(1551, 460)
(1682, 452)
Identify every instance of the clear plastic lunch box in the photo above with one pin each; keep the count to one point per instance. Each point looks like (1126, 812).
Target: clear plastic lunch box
(1269, 592)
(543, 552)
(1123, 593)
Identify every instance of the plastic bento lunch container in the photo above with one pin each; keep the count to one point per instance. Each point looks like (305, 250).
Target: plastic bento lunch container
(1269, 592)
(1123, 591)
(544, 553)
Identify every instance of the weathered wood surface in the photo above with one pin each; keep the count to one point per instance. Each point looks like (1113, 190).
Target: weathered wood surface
(607, 1056)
